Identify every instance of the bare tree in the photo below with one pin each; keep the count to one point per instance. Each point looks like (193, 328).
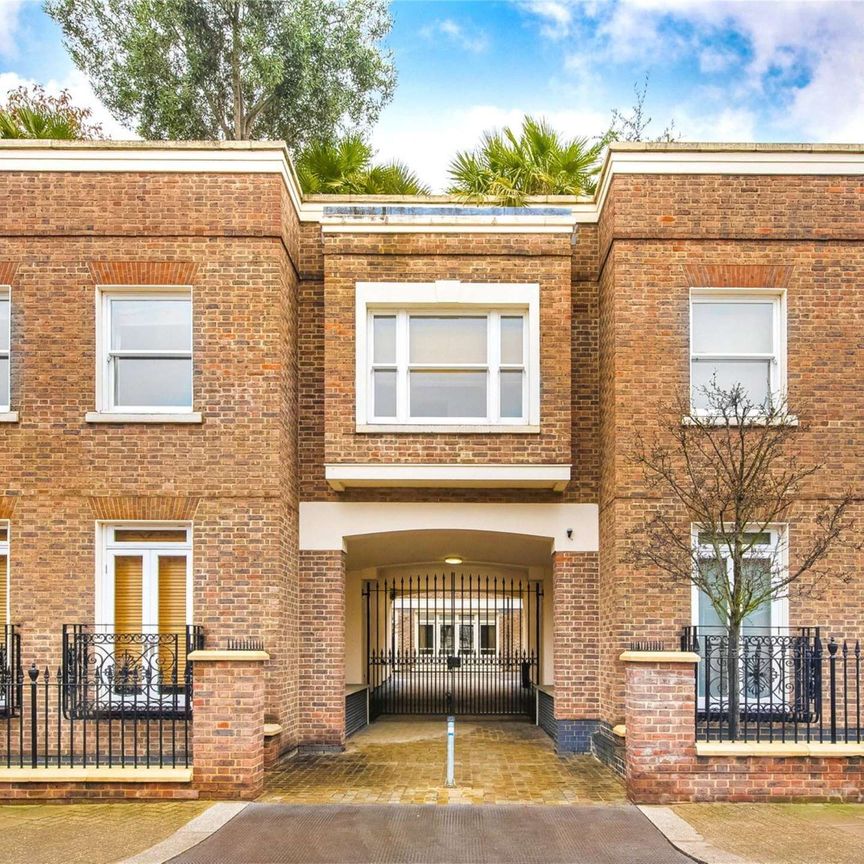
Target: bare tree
(732, 472)
(633, 126)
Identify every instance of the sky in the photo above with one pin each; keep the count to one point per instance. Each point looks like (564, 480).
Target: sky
(722, 71)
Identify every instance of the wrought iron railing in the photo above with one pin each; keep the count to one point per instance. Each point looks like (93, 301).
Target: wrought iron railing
(791, 685)
(124, 673)
(146, 730)
(10, 661)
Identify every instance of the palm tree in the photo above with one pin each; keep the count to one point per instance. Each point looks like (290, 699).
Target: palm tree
(32, 113)
(344, 167)
(508, 166)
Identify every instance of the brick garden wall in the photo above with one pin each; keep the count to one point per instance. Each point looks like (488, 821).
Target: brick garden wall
(662, 765)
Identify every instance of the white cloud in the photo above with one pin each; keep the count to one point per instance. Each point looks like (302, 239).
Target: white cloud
(475, 41)
(82, 96)
(556, 17)
(794, 69)
(430, 143)
(9, 25)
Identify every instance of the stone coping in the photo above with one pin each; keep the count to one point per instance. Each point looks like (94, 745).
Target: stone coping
(214, 655)
(619, 731)
(95, 775)
(548, 689)
(272, 729)
(351, 689)
(778, 749)
(658, 657)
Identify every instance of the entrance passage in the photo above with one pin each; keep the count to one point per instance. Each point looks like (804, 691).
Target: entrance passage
(448, 644)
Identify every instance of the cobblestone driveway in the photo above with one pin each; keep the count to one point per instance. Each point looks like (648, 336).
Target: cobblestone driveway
(403, 762)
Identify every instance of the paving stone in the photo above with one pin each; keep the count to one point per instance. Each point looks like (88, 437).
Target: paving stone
(403, 762)
(87, 833)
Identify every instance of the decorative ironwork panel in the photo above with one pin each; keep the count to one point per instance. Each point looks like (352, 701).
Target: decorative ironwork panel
(448, 644)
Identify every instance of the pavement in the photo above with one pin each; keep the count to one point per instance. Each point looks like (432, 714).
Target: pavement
(403, 761)
(431, 834)
(87, 833)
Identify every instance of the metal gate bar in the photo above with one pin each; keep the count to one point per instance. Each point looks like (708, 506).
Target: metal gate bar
(444, 644)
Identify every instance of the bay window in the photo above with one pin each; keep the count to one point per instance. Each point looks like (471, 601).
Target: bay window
(449, 363)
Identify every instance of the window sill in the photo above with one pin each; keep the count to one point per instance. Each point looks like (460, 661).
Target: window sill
(443, 476)
(715, 420)
(8, 416)
(108, 417)
(444, 428)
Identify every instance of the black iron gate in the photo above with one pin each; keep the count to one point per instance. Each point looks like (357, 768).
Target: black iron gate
(452, 644)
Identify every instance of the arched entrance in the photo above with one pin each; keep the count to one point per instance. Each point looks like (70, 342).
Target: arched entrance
(449, 621)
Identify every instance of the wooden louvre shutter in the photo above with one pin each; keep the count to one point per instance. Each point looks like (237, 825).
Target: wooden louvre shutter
(128, 604)
(172, 615)
(4, 617)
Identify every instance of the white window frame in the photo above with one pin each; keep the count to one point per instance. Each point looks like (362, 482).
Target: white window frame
(442, 299)
(105, 356)
(777, 358)
(6, 599)
(107, 547)
(779, 551)
(6, 295)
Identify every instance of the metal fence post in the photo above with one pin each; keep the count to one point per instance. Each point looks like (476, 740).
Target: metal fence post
(832, 651)
(33, 672)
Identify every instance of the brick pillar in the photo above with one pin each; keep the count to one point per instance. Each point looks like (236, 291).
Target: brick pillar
(228, 723)
(659, 711)
(322, 649)
(576, 639)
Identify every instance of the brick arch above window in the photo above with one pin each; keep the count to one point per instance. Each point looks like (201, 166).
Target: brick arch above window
(146, 508)
(7, 271)
(738, 275)
(143, 272)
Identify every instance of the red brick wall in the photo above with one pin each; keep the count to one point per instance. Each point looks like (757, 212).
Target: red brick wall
(660, 236)
(576, 634)
(662, 765)
(321, 635)
(228, 729)
(234, 476)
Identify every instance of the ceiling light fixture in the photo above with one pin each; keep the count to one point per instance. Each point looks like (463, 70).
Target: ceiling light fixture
(452, 559)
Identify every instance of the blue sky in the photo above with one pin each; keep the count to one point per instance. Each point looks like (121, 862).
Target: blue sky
(723, 71)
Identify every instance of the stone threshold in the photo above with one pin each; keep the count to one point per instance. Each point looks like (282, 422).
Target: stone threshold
(778, 749)
(95, 775)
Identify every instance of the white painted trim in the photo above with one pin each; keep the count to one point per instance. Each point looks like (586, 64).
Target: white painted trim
(104, 377)
(106, 547)
(116, 417)
(456, 429)
(445, 296)
(6, 297)
(96, 775)
(777, 296)
(324, 525)
(5, 545)
(263, 158)
(8, 416)
(344, 476)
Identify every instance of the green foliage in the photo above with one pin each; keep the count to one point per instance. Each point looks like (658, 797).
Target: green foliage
(297, 70)
(509, 166)
(344, 167)
(32, 113)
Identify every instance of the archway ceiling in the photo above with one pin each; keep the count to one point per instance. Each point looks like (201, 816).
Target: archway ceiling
(416, 547)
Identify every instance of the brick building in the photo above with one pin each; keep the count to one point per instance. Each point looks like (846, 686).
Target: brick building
(371, 432)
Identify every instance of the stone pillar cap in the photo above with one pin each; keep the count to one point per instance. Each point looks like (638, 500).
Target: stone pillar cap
(214, 655)
(659, 657)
